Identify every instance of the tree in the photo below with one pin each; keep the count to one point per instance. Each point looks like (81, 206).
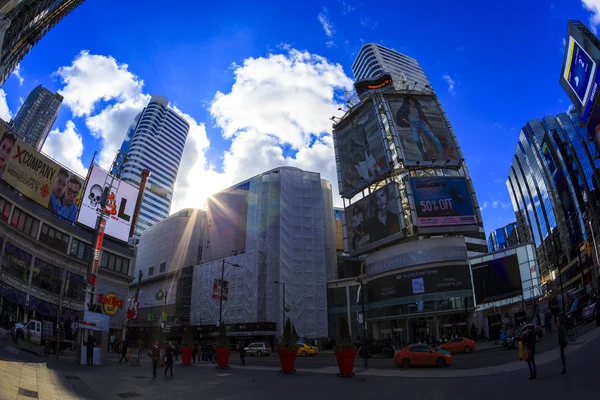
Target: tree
(344, 340)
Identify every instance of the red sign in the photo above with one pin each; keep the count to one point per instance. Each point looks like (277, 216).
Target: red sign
(111, 302)
(98, 247)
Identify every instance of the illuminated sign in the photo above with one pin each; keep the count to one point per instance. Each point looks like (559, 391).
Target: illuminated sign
(378, 82)
(111, 303)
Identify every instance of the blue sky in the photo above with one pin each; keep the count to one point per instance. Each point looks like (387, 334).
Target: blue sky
(258, 80)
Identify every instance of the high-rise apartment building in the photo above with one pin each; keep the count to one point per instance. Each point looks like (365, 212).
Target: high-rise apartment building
(504, 237)
(554, 186)
(374, 59)
(23, 24)
(155, 140)
(37, 115)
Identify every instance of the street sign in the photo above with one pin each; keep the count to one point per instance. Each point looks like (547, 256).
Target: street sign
(159, 295)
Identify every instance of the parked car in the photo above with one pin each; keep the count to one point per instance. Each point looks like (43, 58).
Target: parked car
(589, 311)
(306, 350)
(258, 349)
(422, 355)
(510, 341)
(578, 305)
(459, 345)
(383, 347)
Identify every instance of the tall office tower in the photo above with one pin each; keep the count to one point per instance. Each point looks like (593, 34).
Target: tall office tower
(504, 237)
(24, 24)
(155, 140)
(553, 184)
(374, 59)
(407, 75)
(37, 115)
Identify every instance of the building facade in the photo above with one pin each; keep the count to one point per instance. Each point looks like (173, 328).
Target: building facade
(504, 237)
(553, 186)
(285, 218)
(24, 24)
(166, 254)
(155, 140)
(44, 261)
(37, 115)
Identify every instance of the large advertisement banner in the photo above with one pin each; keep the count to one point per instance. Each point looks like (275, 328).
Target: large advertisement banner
(424, 137)
(496, 279)
(360, 149)
(119, 205)
(442, 201)
(38, 177)
(375, 219)
(421, 282)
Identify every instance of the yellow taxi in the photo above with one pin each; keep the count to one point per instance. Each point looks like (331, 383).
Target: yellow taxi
(302, 349)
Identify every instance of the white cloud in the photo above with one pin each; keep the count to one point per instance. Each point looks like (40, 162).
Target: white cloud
(330, 43)
(594, 7)
(327, 26)
(506, 205)
(17, 73)
(346, 7)
(66, 147)
(276, 100)
(484, 206)
(451, 84)
(368, 23)
(5, 113)
(495, 203)
(92, 78)
(460, 48)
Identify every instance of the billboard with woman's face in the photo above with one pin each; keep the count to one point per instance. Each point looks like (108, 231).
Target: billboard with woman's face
(359, 149)
(424, 138)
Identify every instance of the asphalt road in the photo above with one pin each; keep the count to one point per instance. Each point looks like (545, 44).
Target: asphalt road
(246, 384)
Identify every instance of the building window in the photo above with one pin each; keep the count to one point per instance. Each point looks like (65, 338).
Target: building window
(163, 267)
(150, 271)
(75, 288)
(25, 223)
(16, 262)
(46, 276)
(80, 250)
(5, 207)
(114, 263)
(54, 238)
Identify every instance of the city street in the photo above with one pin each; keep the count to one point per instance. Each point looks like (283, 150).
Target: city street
(52, 379)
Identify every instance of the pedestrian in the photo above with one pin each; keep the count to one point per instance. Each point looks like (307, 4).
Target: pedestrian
(123, 350)
(562, 342)
(529, 338)
(211, 353)
(154, 356)
(548, 321)
(140, 348)
(170, 353)
(520, 347)
(112, 343)
(176, 351)
(194, 351)
(90, 344)
(242, 354)
(482, 334)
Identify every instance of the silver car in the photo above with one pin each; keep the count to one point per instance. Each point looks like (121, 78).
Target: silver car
(589, 311)
(258, 349)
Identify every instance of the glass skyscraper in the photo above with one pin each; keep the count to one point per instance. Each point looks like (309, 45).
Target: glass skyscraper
(504, 237)
(37, 115)
(553, 187)
(155, 140)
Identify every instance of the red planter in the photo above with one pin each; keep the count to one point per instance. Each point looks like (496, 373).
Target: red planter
(186, 356)
(345, 361)
(223, 357)
(287, 358)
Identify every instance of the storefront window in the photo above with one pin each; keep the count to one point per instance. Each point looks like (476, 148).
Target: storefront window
(80, 250)
(75, 287)
(25, 222)
(5, 207)
(46, 276)
(54, 238)
(16, 262)
(450, 301)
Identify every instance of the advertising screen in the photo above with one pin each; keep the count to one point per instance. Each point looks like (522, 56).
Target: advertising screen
(38, 177)
(424, 137)
(421, 282)
(374, 220)
(496, 279)
(579, 76)
(359, 150)
(227, 216)
(119, 206)
(442, 201)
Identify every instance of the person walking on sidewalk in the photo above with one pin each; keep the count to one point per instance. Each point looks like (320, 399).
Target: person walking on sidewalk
(170, 353)
(529, 338)
(562, 342)
(242, 354)
(194, 351)
(123, 351)
(140, 348)
(154, 356)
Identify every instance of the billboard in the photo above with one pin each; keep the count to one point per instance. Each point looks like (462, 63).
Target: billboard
(360, 150)
(421, 282)
(579, 74)
(38, 177)
(119, 205)
(217, 285)
(441, 202)
(422, 131)
(496, 279)
(374, 220)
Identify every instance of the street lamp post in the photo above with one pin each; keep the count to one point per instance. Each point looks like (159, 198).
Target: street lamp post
(222, 286)
(282, 306)
(364, 322)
